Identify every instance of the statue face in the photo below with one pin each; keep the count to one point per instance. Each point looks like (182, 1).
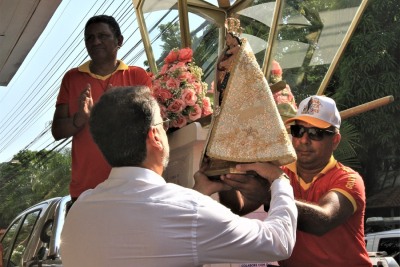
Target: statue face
(231, 41)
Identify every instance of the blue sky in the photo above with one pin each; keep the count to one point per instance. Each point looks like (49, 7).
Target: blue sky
(27, 103)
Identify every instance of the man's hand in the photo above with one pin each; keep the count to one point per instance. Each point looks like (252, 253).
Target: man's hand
(255, 189)
(85, 107)
(86, 101)
(204, 185)
(266, 170)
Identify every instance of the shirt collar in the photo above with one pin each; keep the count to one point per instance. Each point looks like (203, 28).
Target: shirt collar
(332, 162)
(136, 174)
(85, 68)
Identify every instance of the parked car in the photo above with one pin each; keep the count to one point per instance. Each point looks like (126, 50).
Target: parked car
(33, 237)
(381, 259)
(387, 241)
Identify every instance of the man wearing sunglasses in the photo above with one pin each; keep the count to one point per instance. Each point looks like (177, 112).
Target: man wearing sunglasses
(330, 197)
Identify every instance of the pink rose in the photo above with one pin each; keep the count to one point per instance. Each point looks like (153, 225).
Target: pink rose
(179, 122)
(177, 106)
(173, 83)
(180, 66)
(151, 75)
(185, 55)
(164, 94)
(174, 68)
(276, 69)
(163, 111)
(189, 96)
(285, 96)
(156, 84)
(185, 76)
(211, 90)
(164, 69)
(196, 113)
(172, 56)
(198, 87)
(207, 109)
(192, 78)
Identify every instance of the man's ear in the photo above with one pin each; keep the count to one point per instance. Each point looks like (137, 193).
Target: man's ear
(336, 140)
(120, 41)
(153, 138)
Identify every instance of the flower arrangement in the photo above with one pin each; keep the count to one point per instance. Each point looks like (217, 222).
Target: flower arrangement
(179, 90)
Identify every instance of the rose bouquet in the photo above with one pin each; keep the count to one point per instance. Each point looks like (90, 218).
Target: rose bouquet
(179, 89)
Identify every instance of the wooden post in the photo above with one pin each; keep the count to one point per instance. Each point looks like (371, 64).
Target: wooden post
(366, 107)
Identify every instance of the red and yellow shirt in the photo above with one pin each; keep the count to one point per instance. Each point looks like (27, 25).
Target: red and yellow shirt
(89, 168)
(343, 245)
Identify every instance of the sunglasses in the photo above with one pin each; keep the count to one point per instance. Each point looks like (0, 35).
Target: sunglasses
(313, 133)
(165, 124)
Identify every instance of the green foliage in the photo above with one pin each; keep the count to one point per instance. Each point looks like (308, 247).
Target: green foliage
(369, 70)
(31, 178)
(346, 152)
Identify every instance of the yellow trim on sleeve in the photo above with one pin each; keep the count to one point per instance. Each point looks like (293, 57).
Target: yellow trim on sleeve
(349, 197)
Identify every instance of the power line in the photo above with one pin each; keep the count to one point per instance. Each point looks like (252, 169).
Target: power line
(29, 115)
(15, 123)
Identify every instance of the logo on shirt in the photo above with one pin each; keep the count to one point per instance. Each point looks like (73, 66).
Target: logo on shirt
(351, 181)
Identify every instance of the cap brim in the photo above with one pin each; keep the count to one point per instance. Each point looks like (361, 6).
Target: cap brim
(311, 120)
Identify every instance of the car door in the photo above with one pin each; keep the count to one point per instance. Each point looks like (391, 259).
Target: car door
(17, 237)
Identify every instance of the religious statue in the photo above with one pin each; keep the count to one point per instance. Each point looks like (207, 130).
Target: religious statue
(246, 125)
(226, 59)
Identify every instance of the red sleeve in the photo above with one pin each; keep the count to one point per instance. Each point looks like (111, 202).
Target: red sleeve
(350, 184)
(141, 76)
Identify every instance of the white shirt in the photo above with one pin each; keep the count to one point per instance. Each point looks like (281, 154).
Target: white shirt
(135, 218)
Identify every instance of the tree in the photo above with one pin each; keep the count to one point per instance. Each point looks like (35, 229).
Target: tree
(31, 178)
(369, 70)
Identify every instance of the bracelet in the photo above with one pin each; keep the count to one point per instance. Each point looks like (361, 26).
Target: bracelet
(73, 121)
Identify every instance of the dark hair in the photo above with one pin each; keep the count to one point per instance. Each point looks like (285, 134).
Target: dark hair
(119, 124)
(108, 20)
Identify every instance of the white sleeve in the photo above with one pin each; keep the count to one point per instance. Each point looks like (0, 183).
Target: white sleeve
(224, 237)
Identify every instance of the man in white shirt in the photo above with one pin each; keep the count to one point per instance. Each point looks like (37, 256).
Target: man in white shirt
(135, 218)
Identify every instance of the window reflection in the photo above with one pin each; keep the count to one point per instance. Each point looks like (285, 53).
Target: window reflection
(308, 35)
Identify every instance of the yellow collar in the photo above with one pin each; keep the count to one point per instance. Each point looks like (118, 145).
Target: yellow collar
(85, 68)
(332, 162)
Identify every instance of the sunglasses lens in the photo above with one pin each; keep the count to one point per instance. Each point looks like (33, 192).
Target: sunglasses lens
(298, 131)
(315, 134)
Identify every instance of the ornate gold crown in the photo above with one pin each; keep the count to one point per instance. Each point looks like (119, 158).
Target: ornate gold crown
(232, 25)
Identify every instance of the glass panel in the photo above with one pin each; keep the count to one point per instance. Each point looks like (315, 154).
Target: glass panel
(256, 21)
(162, 21)
(390, 245)
(23, 238)
(308, 38)
(204, 37)
(8, 238)
(309, 35)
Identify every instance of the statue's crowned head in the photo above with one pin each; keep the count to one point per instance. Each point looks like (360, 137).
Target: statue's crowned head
(232, 26)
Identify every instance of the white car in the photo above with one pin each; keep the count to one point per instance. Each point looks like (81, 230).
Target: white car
(33, 237)
(380, 259)
(385, 241)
